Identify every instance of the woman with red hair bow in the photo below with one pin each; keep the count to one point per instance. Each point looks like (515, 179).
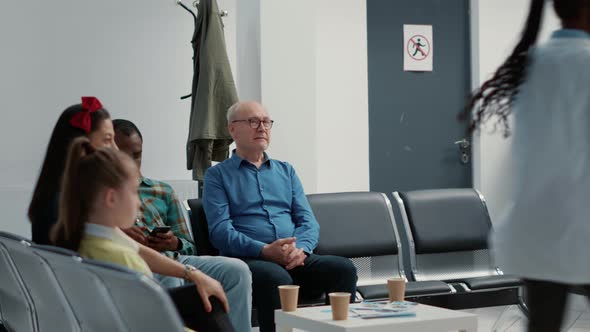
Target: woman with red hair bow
(89, 119)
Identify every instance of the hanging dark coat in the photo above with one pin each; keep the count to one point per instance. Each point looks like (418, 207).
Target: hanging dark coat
(213, 92)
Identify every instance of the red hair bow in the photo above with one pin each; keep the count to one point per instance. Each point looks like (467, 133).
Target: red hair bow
(83, 120)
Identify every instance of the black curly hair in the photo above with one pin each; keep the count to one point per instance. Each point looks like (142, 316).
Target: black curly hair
(496, 95)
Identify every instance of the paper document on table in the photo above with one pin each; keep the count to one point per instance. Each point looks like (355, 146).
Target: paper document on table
(383, 309)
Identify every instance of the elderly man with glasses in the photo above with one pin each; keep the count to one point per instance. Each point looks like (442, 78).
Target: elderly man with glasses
(257, 210)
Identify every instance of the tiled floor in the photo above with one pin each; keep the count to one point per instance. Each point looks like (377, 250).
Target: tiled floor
(510, 318)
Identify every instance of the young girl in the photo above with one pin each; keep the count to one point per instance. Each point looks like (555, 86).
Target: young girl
(89, 119)
(543, 233)
(99, 196)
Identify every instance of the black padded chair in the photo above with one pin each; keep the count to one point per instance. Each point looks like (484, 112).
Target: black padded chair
(361, 227)
(200, 228)
(447, 231)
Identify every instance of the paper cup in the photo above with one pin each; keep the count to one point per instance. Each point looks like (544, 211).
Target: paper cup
(339, 303)
(289, 295)
(397, 289)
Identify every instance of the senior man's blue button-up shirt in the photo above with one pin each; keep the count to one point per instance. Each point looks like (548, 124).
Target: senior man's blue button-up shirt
(248, 207)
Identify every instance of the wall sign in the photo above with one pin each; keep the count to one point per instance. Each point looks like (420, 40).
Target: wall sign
(418, 47)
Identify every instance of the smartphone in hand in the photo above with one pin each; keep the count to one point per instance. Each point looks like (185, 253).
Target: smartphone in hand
(159, 229)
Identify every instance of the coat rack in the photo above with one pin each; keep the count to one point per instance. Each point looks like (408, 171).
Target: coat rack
(222, 13)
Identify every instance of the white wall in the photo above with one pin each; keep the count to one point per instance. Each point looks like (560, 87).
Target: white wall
(343, 97)
(288, 84)
(248, 49)
(135, 55)
(305, 60)
(314, 82)
(499, 23)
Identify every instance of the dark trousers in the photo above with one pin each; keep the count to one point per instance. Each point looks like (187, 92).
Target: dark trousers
(318, 275)
(189, 305)
(546, 302)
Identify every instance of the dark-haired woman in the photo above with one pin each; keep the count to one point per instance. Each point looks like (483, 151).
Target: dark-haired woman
(89, 119)
(543, 235)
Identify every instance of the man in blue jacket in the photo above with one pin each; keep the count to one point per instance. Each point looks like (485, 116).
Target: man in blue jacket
(257, 210)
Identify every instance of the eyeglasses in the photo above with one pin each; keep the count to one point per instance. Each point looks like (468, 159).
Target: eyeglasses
(255, 123)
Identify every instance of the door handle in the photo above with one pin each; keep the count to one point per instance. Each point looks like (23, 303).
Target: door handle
(464, 150)
(463, 144)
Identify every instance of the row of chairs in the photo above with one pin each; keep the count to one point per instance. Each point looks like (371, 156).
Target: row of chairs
(441, 249)
(46, 288)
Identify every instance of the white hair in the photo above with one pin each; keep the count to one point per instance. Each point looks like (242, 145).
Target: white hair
(232, 111)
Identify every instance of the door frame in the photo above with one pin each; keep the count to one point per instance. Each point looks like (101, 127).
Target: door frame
(475, 77)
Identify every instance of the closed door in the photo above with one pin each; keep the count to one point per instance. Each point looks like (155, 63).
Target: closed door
(415, 139)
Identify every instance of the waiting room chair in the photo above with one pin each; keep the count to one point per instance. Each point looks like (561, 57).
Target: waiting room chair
(142, 303)
(42, 286)
(200, 228)
(447, 231)
(17, 311)
(89, 297)
(361, 226)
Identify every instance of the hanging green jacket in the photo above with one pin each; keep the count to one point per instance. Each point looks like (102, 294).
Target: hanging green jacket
(213, 92)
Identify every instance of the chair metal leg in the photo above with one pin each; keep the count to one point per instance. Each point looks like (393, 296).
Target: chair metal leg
(522, 303)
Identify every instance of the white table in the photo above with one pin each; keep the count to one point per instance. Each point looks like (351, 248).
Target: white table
(427, 319)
